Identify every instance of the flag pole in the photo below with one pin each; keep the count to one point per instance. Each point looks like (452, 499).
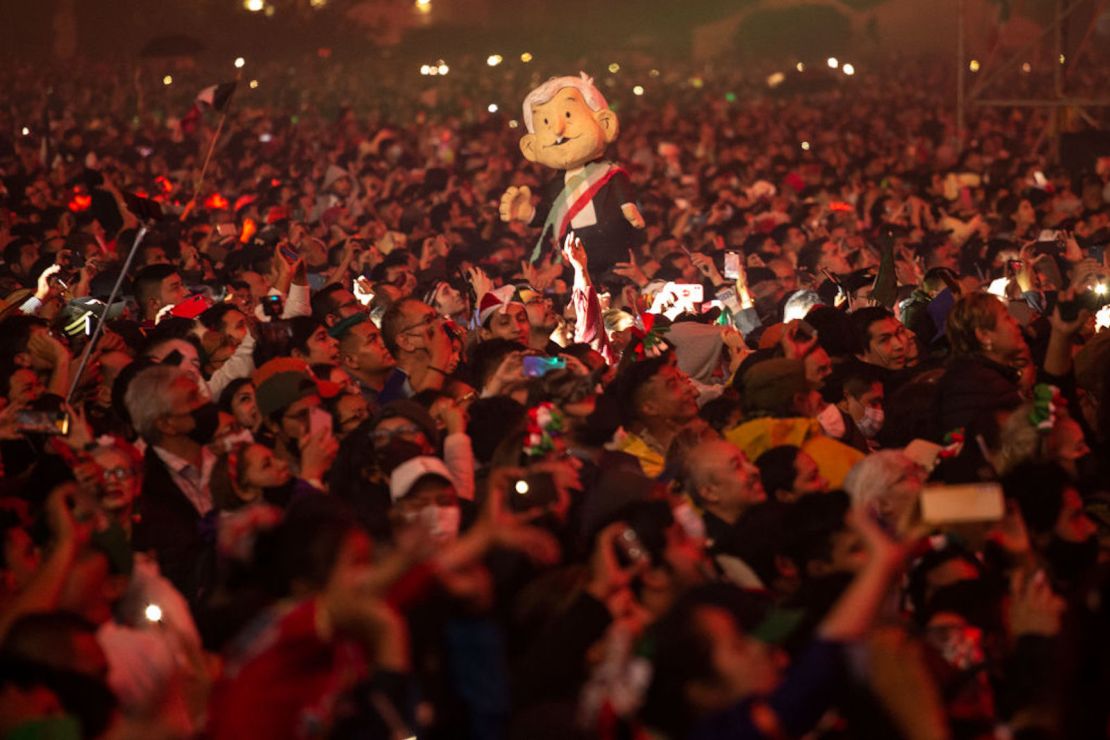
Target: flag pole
(208, 157)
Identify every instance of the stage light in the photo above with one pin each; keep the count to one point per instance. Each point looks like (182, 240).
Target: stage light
(317, 3)
(833, 62)
(425, 69)
(654, 73)
(973, 65)
(614, 68)
(254, 84)
(424, 6)
(775, 80)
(239, 62)
(269, 12)
(514, 123)
(492, 107)
(638, 90)
(526, 57)
(493, 60)
(167, 80)
(25, 131)
(443, 68)
(254, 5)
(849, 69)
(800, 66)
(805, 146)
(1063, 59)
(1027, 68)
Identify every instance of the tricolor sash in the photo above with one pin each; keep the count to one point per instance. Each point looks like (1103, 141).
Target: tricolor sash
(594, 175)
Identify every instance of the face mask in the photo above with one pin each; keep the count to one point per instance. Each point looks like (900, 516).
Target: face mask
(871, 422)
(206, 419)
(1070, 561)
(229, 441)
(442, 522)
(832, 421)
(689, 519)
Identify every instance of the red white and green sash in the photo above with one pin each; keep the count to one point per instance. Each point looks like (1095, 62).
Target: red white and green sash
(594, 176)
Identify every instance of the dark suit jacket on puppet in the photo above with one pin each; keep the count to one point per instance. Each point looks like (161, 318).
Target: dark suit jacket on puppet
(606, 233)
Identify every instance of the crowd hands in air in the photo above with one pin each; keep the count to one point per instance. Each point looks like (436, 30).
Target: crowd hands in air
(345, 462)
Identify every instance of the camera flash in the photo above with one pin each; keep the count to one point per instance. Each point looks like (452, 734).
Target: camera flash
(153, 613)
(522, 487)
(1100, 288)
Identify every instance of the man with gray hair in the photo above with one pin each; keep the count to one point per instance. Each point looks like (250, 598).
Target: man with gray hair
(176, 421)
(569, 126)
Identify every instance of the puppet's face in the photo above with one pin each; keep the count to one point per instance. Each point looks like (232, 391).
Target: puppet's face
(567, 133)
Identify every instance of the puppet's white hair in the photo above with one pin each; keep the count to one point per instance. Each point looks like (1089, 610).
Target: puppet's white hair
(545, 92)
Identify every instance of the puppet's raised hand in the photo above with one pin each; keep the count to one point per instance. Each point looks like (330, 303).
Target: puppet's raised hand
(516, 204)
(631, 214)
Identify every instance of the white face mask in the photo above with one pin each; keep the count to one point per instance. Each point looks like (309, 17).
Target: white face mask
(832, 421)
(871, 421)
(442, 522)
(689, 519)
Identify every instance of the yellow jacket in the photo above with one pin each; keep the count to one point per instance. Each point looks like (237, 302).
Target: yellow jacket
(834, 459)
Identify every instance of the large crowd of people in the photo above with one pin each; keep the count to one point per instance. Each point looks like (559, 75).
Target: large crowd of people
(304, 444)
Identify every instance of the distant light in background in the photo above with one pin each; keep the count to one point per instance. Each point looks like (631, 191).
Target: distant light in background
(1063, 59)
(654, 73)
(973, 65)
(638, 90)
(526, 57)
(493, 60)
(25, 131)
(270, 10)
(254, 84)
(443, 68)
(805, 146)
(1027, 68)
(424, 6)
(775, 80)
(833, 62)
(800, 66)
(254, 5)
(730, 97)
(492, 107)
(696, 82)
(848, 69)
(239, 62)
(513, 123)
(614, 68)
(167, 80)
(317, 3)
(425, 69)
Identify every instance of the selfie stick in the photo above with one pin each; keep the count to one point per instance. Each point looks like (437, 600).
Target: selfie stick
(104, 314)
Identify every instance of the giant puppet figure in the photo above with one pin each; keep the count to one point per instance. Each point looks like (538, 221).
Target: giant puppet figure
(569, 126)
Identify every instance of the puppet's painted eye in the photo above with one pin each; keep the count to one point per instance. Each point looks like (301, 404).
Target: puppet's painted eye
(545, 122)
(568, 114)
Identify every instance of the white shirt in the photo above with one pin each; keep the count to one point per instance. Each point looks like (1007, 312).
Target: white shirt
(192, 482)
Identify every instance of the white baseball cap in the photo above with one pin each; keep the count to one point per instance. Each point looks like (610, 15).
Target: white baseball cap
(406, 475)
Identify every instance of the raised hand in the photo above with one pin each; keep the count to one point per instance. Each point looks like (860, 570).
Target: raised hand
(631, 270)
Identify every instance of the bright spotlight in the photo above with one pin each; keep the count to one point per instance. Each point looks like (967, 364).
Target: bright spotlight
(254, 5)
(833, 62)
(239, 62)
(492, 107)
(167, 80)
(493, 60)
(638, 90)
(848, 69)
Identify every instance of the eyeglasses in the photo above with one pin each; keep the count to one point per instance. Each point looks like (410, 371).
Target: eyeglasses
(379, 434)
(430, 320)
(119, 474)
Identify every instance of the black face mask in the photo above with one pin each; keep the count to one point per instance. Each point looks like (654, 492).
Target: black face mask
(206, 419)
(1070, 561)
